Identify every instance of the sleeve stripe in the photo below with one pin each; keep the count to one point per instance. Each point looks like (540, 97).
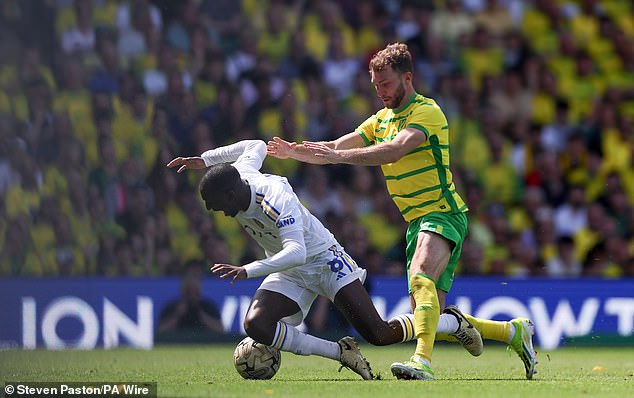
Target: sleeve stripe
(367, 141)
(277, 213)
(418, 127)
(412, 173)
(270, 211)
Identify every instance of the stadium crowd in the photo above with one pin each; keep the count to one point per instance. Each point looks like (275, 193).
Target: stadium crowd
(96, 96)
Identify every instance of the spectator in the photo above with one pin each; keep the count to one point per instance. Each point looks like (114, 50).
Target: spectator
(97, 103)
(297, 62)
(244, 59)
(472, 258)
(557, 134)
(106, 78)
(317, 196)
(512, 101)
(564, 265)
(127, 10)
(495, 18)
(190, 311)
(434, 65)
(450, 24)
(339, 70)
(571, 216)
(103, 180)
(81, 37)
(135, 22)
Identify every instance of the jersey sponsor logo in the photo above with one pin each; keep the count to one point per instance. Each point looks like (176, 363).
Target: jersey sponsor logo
(285, 222)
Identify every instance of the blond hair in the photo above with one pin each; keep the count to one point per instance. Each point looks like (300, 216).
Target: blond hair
(396, 56)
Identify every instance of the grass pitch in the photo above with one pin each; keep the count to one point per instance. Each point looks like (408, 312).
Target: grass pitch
(207, 371)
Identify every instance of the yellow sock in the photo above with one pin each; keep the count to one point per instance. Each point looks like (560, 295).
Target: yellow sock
(491, 330)
(445, 337)
(426, 313)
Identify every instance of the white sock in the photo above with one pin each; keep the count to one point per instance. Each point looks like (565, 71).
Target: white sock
(418, 358)
(447, 324)
(511, 332)
(289, 338)
(407, 323)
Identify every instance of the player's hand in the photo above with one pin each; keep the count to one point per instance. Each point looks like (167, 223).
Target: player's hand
(187, 163)
(227, 271)
(323, 151)
(280, 148)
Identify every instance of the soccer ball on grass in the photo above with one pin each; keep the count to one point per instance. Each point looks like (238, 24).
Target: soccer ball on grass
(256, 361)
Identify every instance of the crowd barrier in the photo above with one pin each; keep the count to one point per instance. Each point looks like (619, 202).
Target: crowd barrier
(92, 312)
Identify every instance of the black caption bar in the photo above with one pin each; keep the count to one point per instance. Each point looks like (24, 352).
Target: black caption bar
(102, 389)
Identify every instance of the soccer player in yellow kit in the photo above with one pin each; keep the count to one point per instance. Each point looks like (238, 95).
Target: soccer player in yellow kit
(409, 139)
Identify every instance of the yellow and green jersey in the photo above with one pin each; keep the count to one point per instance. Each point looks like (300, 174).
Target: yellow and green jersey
(420, 182)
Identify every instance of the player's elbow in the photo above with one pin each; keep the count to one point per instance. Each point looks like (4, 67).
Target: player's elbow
(258, 145)
(299, 255)
(294, 252)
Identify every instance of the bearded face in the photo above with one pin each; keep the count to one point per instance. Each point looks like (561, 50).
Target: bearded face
(390, 87)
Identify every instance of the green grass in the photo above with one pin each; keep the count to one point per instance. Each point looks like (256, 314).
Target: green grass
(207, 371)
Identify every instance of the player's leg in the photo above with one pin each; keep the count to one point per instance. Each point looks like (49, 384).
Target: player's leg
(491, 330)
(433, 247)
(355, 304)
(342, 282)
(429, 261)
(265, 311)
(453, 325)
(280, 304)
(517, 333)
(469, 331)
(263, 323)
(449, 326)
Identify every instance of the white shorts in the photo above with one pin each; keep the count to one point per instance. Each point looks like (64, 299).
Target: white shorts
(324, 274)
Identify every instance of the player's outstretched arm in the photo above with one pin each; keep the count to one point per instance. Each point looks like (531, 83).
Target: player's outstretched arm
(282, 149)
(387, 152)
(183, 164)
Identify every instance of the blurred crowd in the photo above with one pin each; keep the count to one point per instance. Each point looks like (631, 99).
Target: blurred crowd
(96, 96)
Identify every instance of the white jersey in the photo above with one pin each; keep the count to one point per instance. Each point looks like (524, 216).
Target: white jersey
(274, 210)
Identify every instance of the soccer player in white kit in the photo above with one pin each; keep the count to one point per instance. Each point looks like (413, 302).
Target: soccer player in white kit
(303, 260)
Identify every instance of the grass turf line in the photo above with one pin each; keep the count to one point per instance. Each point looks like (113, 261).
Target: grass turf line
(207, 371)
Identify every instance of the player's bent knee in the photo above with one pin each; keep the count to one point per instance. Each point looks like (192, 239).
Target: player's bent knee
(259, 329)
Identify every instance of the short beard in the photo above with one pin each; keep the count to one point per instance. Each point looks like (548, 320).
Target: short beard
(398, 97)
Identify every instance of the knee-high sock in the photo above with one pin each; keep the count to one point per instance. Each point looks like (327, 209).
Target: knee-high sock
(447, 323)
(407, 323)
(426, 313)
(289, 338)
(491, 330)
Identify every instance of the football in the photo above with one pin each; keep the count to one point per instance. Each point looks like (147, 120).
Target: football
(256, 361)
